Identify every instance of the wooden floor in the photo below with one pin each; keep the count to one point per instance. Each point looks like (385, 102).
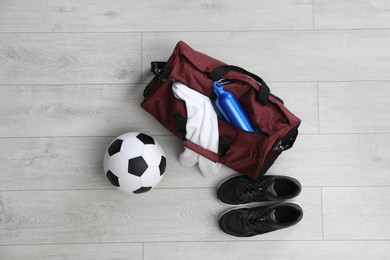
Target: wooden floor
(72, 75)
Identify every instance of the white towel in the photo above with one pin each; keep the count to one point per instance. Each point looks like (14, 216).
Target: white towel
(201, 128)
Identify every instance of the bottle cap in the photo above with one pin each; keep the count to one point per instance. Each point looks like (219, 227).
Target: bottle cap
(218, 88)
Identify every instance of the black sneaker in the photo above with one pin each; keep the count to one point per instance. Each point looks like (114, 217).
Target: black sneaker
(242, 189)
(247, 222)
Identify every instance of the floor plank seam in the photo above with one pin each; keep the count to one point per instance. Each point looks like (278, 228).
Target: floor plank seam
(166, 135)
(144, 83)
(201, 31)
(185, 188)
(313, 13)
(143, 250)
(142, 57)
(203, 241)
(318, 107)
(322, 213)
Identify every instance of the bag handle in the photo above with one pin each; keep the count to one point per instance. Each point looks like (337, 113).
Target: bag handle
(212, 156)
(264, 91)
(223, 146)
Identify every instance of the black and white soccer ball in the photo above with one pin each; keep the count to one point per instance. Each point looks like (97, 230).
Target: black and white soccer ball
(134, 162)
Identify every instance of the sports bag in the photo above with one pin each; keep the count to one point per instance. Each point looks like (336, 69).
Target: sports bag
(248, 153)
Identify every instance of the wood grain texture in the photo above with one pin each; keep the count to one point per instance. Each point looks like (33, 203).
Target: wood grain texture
(347, 14)
(344, 107)
(76, 163)
(73, 110)
(119, 251)
(42, 217)
(53, 163)
(287, 55)
(109, 110)
(72, 75)
(356, 213)
(338, 160)
(153, 15)
(275, 250)
(46, 58)
(301, 98)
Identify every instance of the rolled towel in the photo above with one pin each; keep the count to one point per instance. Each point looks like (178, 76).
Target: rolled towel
(201, 128)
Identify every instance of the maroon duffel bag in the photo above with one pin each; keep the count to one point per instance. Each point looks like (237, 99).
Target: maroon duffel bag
(248, 153)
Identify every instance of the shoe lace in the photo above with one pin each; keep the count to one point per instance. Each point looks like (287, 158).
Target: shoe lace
(252, 190)
(254, 220)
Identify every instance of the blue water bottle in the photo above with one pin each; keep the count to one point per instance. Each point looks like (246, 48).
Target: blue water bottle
(231, 109)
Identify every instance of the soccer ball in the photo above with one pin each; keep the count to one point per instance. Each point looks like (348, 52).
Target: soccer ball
(134, 163)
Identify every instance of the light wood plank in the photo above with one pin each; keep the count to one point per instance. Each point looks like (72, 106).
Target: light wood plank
(76, 163)
(73, 251)
(34, 58)
(347, 14)
(287, 55)
(356, 213)
(108, 110)
(354, 107)
(73, 110)
(337, 160)
(275, 250)
(301, 98)
(40, 217)
(153, 15)
(53, 163)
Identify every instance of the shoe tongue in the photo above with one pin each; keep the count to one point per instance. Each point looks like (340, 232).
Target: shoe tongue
(272, 215)
(269, 217)
(271, 190)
